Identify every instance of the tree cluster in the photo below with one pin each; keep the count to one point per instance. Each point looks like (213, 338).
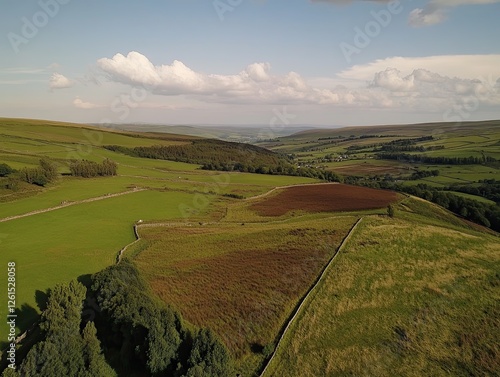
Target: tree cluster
(90, 169)
(146, 336)
(489, 189)
(67, 349)
(139, 334)
(419, 174)
(473, 210)
(5, 170)
(45, 173)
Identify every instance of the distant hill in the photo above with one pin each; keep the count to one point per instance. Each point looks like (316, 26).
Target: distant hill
(237, 133)
(410, 130)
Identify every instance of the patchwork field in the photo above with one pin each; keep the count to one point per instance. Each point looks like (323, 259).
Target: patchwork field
(353, 150)
(416, 294)
(76, 226)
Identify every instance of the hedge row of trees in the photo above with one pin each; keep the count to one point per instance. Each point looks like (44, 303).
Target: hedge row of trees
(436, 160)
(419, 174)
(139, 335)
(89, 169)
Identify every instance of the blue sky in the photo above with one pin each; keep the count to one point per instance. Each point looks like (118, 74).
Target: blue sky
(240, 61)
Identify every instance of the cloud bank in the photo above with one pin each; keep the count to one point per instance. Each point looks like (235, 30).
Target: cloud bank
(430, 83)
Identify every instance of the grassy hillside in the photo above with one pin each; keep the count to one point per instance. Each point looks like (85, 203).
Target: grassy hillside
(76, 226)
(233, 253)
(406, 297)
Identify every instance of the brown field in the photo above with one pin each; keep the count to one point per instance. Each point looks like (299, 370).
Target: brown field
(240, 281)
(323, 198)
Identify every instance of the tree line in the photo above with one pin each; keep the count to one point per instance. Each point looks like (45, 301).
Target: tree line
(471, 160)
(489, 189)
(47, 172)
(473, 210)
(227, 156)
(131, 334)
(90, 169)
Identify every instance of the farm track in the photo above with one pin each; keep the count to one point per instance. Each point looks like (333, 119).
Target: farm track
(69, 204)
(304, 301)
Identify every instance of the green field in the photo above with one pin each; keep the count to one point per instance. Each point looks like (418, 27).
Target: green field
(464, 140)
(205, 250)
(85, 237)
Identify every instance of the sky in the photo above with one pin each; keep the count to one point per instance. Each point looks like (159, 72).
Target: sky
(240, 62)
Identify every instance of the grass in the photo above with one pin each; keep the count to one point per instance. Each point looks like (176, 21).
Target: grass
(403, 298)
(242, 281)
(473, 197)
(464, 140)
(61, 245)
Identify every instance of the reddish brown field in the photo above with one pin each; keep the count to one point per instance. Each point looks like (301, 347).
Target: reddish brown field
(323, 198)
(240, 281)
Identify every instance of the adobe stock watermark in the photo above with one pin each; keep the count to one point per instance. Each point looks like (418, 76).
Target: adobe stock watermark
(278, 122)
(464, 107)
(31, 26)
(121, 106)
(223, 6)
(372, 29)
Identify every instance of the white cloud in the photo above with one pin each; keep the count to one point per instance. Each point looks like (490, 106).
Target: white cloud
(430, 84)
(465, 66)
(426, 17)
(58, 81)
(77, 102)
(254, 84)
(436, 11)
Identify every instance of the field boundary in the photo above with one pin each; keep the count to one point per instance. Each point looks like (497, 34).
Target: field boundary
(69, 204)
(308, 294)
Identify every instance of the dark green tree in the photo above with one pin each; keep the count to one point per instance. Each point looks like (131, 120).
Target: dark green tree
(209, 357)
(65, 351)
(390, 211)
(95, 363)
(5, 170)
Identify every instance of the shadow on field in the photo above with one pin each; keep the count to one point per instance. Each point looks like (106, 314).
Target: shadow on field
(41, 299)
(86, 280)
